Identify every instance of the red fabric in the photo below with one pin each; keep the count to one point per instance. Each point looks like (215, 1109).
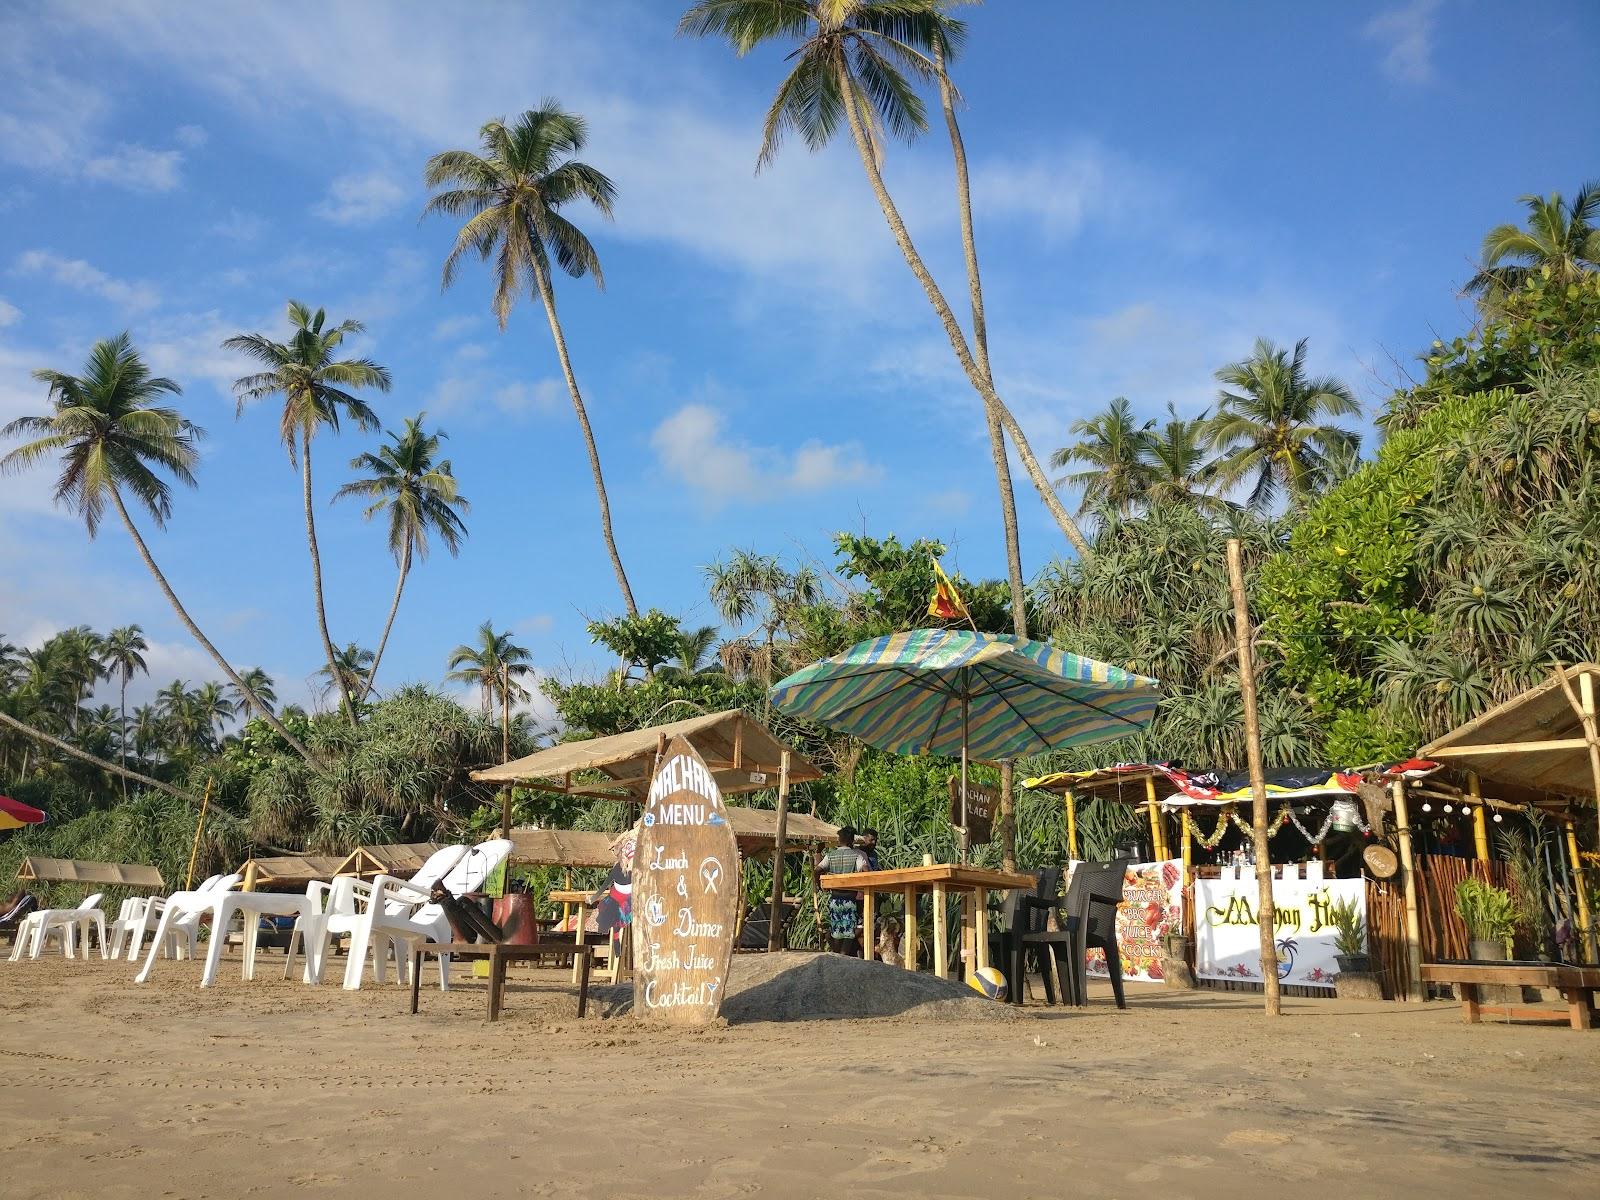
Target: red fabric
(18, 811)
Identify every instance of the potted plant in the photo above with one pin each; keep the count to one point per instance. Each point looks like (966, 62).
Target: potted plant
(1349, 938)
(1490, 915)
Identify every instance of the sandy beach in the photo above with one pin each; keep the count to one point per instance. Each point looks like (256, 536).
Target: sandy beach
(275, 1089)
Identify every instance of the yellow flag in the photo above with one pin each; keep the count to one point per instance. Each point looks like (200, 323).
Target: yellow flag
(946, 602)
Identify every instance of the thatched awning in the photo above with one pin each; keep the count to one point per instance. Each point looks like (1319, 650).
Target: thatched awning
(741, 752)
(291, 872)
(72, 870)
(1534, 741)
(400, 859)
(755, 829)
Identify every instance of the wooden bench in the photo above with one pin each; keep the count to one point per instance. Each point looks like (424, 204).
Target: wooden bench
(501, 954)
(1577, 984)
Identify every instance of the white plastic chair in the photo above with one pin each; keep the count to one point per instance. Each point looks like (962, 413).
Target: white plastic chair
(180, 915)
(69, 924)
(398, 910)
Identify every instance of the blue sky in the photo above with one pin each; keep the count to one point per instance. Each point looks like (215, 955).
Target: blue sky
(1154, 189)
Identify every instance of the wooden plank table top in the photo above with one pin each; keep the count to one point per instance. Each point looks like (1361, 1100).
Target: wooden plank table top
(947, 875)
(574, 896)
(1575, 983)
(499, 955)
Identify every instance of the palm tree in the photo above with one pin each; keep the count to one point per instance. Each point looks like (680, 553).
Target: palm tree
(111, 433)
(1270, 424)
(1114, 445)
(1561, 238)
(847, 70)
(512, 194)
(315, 387)
(213, 707)
(260, 692)
(419, 495)
(494, 664)
(121, 654)
(349, 672)
(149, 728)
(1175, 467)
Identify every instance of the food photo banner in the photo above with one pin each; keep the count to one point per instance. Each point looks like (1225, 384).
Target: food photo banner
(1151, 908)
(1227, 931)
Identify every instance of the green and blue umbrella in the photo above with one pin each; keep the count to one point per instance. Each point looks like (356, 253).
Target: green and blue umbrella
(951, 692)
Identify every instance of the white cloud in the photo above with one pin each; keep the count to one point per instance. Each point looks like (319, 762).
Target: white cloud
(240, 226)
(137, 168)
(478, 393)
(1405, 35)
(10, 314)
(454, 327)
(191, 136)
(1058, 191)
(692, 446)
(81, 276)
(360, 199)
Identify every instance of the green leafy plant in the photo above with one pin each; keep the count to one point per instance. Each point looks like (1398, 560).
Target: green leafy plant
(1489, 912)
(1350, 929)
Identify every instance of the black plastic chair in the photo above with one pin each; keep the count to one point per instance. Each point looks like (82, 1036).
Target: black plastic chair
(1027, 932)
(1091, 907)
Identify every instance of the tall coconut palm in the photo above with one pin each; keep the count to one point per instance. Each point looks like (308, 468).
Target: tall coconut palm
(258, 691)
(349, 672)
(495, 664)
(1559, 237)
(213, 707)
(315, 386)
(512, 194)
(419, 495)
(122, 654)
(1176, 470)
(848, 71)
(1271, 424)
(1113, 444)
(111, 433)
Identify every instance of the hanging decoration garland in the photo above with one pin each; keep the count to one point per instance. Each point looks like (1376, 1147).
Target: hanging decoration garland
(1273, 825)
(1211, 842)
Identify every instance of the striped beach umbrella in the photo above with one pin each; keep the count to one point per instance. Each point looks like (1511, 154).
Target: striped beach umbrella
(954, 692)
(14, 814)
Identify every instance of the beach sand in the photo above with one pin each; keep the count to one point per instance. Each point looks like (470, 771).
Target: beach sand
(272, 1088)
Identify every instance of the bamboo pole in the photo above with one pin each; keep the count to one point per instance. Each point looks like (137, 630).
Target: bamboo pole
(1158, 836)
(780, 834)
(1480, 818)
(1008, 817)
(1188, 848)
(199, 826)
(1402, 824)
(1580, 882)
(1072, 824)
(1265, 912)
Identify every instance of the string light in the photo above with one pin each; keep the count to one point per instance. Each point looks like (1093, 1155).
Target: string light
(1426, 807)
(1447, 808)
(1497, 818)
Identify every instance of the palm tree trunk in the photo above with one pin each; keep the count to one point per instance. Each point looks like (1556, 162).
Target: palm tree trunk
(122, 736)
(339, 680)
(958, 340)
(205, 642)
(548, 296)
(68, 748)
(394, 607)
(980, 350)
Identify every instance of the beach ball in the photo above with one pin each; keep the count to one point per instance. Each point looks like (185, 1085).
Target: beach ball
(988, 980)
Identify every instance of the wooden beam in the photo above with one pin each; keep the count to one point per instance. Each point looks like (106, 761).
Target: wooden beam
(1072, 823)
(1402, 822)
(738, 742)
(780, 834)
(1580, 884)
(1510, 747)
(1480, 819)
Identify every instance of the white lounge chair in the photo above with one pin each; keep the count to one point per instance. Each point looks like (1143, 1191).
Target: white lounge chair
(178, 917)
(398, 910)
(69, 924)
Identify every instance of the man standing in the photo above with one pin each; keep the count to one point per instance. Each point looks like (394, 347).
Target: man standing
(867, 843)
(843, 914)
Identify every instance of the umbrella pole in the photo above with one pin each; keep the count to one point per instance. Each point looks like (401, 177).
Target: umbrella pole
(965, 840)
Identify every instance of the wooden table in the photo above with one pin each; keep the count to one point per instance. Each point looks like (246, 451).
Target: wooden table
(500, 954)
(972, 883)
(1577, 984)
(570, 899)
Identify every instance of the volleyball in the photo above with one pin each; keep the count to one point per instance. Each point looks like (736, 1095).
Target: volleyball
(988, 980)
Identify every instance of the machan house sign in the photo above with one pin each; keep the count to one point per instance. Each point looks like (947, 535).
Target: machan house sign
(685, 893)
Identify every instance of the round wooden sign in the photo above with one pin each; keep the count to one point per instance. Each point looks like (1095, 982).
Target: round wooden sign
(1381, 861)
(685, 893)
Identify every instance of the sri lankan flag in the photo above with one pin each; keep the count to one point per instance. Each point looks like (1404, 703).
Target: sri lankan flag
(946, 602)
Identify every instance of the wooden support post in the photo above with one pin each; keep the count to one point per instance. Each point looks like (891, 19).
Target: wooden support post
(1480, 818)
(1265, 914)
(908, 934)
(505, 813)
(1402, 823)
(779, 847)
(1591, 732)
(869, 924)
(1008, 817)
(969, 935)
(1580, 883)
(941, 934)
(1072, 824)
(199, 827)
(1188, 848)
(981, 928)
(249, 883)
(1158, 839)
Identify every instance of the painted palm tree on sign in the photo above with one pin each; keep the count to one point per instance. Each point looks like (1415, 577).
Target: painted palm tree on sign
(511, 194)
(495, 665)
(316, 388)
(113, 434)
(1559, 237)
(419, 495)
(258, 690)
(1271, 424)
(850, 71)
(1113, 445)
(122, 656)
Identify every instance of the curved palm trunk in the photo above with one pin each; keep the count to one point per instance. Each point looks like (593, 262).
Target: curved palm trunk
(549, 299)
(394, 607)
(122, 736)
(958, 341)
(339, 680)
(205, 642)
(68, 748)
(980, 350)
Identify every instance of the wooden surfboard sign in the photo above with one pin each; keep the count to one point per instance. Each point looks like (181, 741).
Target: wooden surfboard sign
(685, 893)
